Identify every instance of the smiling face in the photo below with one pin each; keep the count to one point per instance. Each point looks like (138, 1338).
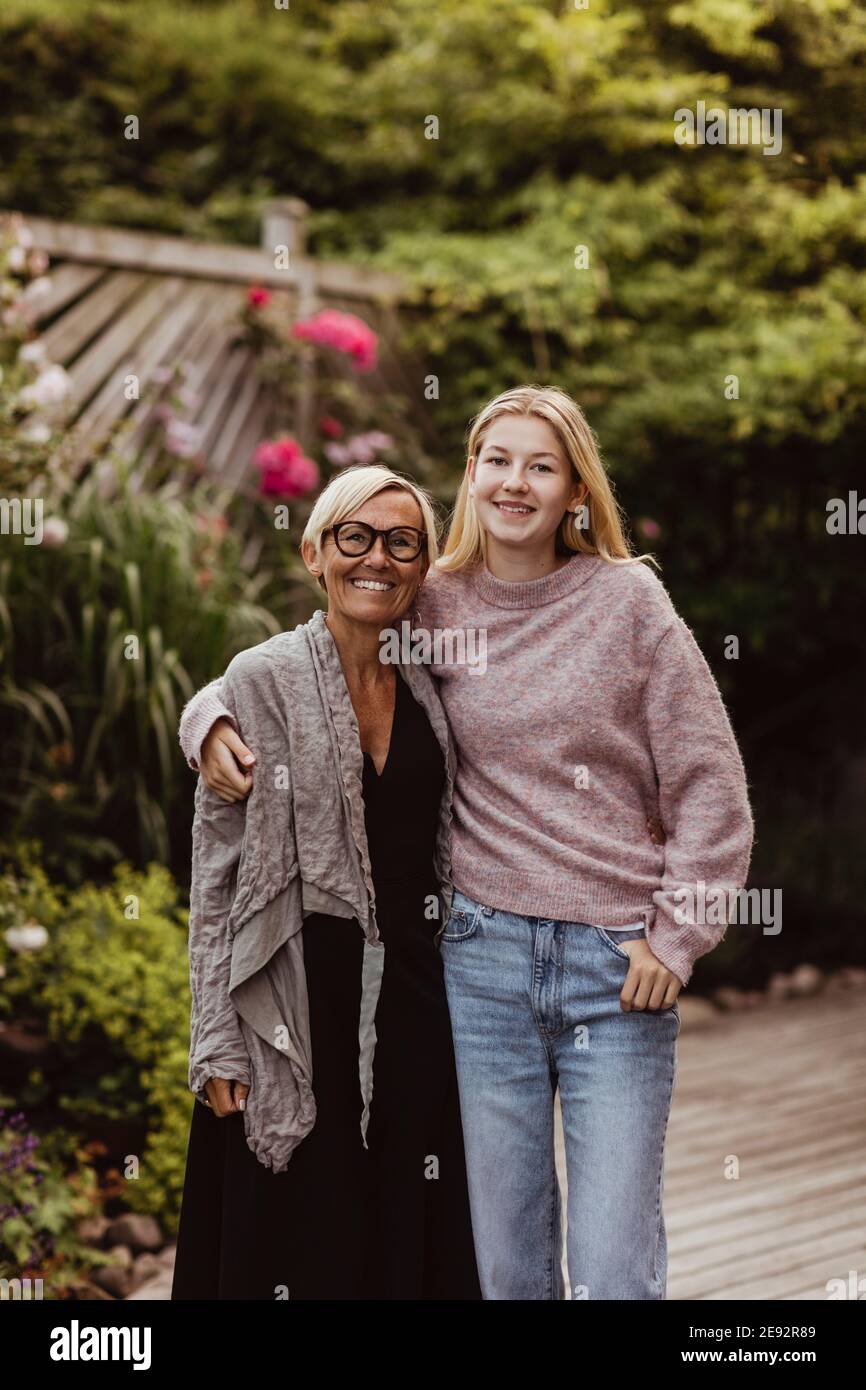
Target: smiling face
(522, 484)
(372, 589)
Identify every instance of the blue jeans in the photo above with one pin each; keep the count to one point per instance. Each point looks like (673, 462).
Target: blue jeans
(534, 1005)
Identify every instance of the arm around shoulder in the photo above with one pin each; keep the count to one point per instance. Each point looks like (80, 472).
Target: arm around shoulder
(199, 714)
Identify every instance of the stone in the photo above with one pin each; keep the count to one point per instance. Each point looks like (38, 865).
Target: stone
(806, 980)
(729, 998)
(135, 1230)
(146, 1266)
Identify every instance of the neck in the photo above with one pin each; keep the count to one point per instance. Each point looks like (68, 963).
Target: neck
(358, 646)
(516, 563)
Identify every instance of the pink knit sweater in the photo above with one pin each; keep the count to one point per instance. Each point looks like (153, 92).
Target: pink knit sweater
(590, 710)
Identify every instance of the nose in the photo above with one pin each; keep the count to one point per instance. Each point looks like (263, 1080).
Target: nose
(378, 555)
(515, 482)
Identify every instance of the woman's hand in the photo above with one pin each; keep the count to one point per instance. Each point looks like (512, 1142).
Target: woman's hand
(226, 1097)
(223, 755)
(648, 984)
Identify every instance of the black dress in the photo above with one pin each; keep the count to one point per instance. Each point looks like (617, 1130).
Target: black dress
(343, 1222)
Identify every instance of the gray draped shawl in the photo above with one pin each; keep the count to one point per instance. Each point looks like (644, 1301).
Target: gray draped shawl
(296, 846)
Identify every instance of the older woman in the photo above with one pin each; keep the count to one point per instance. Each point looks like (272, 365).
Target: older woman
(326, 1154)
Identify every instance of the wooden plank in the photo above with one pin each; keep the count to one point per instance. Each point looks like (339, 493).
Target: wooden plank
(239, 473)
(183, 338)
(109, 405)
(99, 363)
(236, 363)
(224, 450)
(122, 247)
(67, 283)
(687, 1240)
(812, 1275)
(74, 330)
(784, 1088)
(757, 1133)
(745, 1267)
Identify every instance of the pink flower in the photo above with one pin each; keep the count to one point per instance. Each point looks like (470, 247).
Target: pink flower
(258, 297)
(182, 440)
(649, 528)
(361, 448)
(345, 332)
(54, 531)
(338, 454)
(286, 470)
(328, 425)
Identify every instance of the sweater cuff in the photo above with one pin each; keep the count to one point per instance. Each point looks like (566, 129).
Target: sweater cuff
(196, 725)
(679, 944)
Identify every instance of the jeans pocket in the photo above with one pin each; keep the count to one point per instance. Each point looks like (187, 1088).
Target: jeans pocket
(461, 924)
(610, 940)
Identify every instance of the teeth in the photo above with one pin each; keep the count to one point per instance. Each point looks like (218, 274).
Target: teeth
(518, 511)
(371, 584)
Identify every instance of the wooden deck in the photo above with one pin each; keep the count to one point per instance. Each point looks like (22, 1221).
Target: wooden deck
(783, 1089)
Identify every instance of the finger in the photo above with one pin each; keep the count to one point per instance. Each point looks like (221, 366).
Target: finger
(237, 747)
(226, 790)
(228, 771)
(646, 985)
(629, 989)
(221, 1096)
(658, 995)
(241, 1091)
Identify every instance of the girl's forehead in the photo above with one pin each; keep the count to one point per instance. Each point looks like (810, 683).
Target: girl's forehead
(521, 431)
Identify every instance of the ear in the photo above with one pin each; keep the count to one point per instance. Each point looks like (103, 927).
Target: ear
(578, 496)
(470, 472)
(310, 558)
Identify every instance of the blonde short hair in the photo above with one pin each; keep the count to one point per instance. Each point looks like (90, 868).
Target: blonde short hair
(354, 486)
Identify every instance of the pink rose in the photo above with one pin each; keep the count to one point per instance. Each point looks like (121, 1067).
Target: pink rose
(285, 468)
(345, 332)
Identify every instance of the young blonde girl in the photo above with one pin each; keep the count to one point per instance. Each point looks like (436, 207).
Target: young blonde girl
(600, 796)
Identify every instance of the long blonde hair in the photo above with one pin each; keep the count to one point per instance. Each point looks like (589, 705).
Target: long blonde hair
(605, 534)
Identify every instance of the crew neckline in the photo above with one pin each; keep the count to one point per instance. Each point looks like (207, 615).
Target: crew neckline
(533, 593)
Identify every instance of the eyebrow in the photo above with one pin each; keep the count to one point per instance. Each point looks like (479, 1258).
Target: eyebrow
(541, 454)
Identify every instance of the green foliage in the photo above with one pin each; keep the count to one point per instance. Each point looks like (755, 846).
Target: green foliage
(110, 987)
(104, 632)
(556, 130)
(46, 1188)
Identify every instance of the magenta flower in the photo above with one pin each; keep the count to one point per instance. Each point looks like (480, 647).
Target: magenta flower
(331, 427)
(345, 332)
(258, 297)
(286, 470)
(649, 528)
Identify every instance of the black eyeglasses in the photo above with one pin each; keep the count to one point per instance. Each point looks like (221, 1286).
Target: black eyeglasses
(357, 538)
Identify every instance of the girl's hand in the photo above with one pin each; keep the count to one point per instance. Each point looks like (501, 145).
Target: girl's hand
(648, 984)
(223, 755)
(226, 1096)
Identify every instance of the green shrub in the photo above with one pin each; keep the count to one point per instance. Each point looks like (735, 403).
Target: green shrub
(47, 1187)
(110, 988)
